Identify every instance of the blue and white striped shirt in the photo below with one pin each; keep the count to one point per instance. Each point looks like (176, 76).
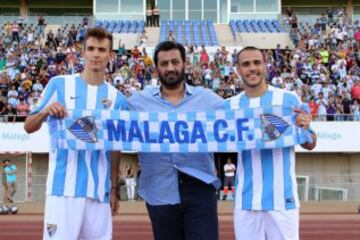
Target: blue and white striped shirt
(79, 173)
(265, 179)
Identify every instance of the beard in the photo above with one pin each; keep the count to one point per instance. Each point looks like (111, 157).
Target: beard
(173, 81)
(252, 84)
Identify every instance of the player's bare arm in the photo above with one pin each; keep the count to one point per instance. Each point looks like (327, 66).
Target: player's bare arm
(34, 122)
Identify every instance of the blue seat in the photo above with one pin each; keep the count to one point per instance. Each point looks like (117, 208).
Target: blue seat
(98, 23)
(106, 23)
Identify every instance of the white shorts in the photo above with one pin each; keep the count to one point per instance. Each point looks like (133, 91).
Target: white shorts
(266, 225)
(76, 218)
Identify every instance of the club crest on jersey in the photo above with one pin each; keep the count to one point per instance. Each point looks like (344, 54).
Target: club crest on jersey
(51, 229)
(85, 129)
(272, 126)
(106, 102)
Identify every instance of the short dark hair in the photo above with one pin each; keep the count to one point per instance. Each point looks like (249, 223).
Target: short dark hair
(166, 46)
(248, 48)
(100, 34)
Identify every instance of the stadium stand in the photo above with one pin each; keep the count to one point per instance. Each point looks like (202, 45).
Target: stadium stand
(121, 26)
(321, 61)
(190, 32)
(257, 26)
(322, 67)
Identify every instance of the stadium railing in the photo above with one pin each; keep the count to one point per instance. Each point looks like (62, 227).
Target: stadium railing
(316, 190)
(50, 20)
(318, 118)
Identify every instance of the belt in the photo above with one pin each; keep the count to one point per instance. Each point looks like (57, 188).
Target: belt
(183, 177)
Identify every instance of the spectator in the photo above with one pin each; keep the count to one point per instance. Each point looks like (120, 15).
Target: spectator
(130, 182)
(2, 110)
(323, 22)
(323, 104)
(149, 17)
(85, 21)
(13, 96)
(294, 22)
(142, 39)
(22, 109)
(320, 62)
(229, 180)
(11, 113)
(10, 171)
(20, 21)
(355, 90)
(41, 25)
(331, 109)
(156, 16)
(339, 109)
(51, 43)
(7, 28)
(294, 35)
(171, 36)
(15, 32)
(357, 34)
(4, 182)
(355, 108)
(346, 103)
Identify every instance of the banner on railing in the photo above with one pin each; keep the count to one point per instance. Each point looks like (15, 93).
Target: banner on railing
(210, 131)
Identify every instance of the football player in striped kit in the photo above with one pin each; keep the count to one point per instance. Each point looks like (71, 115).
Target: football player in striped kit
(80, 183)
(266, 201)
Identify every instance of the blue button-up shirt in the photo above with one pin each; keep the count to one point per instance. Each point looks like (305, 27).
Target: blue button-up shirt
(159, 171)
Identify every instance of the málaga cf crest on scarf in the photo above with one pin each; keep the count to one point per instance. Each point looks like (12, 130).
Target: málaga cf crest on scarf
(210, 131)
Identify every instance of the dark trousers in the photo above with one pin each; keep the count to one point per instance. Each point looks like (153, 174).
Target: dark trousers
(156, 20)
(15, 37)
(195, 218)
(149, 21)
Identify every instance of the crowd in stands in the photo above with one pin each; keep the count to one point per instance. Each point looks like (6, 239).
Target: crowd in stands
(323, 68)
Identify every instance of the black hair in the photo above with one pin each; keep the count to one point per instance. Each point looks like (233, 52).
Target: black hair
(166, 46)
(249, 48)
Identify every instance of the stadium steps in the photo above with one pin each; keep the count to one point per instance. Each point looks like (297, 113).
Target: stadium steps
(153, 34)
(225, 37)
(54, 28)
(266, 40)
(129, 39)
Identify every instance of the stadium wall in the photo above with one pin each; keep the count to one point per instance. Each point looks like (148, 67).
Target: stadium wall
(335, 163)
(39, 168)
(325, 3)
(9, 3)
(331, 170)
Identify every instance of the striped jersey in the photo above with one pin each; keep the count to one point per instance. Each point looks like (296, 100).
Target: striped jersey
(79, 173)
(265, 179)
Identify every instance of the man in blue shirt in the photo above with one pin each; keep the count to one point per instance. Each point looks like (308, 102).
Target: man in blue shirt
(10, 171)
(179, 188)
(4, 182)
